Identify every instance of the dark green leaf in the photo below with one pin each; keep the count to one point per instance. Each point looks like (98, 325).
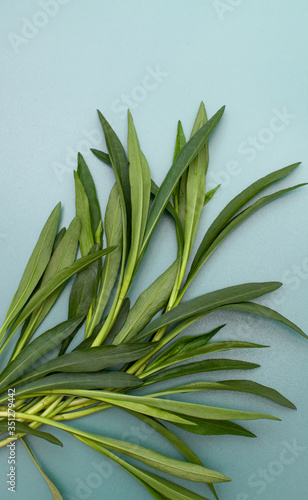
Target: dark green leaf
(92, 359)
(208, 302)
(36, 349)
(183, 159)
(21, 428)
(207, 365)
(89, 187)
(234, 206)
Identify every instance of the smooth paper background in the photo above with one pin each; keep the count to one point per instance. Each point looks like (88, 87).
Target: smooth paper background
(61, 60)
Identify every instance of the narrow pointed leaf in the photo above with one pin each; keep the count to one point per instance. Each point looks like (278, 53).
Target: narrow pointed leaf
(86, 237)
(199, 367)
(53, 283)
(229, 385)
(212, 347)
(183, 159)
(114, 235)
(178, 407)
(101, 156)
(152, 300)
(79, 381)
(209, 195)
(208, 427)
(208, 302)
(54, 491)
(35, 267)
(266, 312)
(234, 223)
(235, 205)
(21, 428)
(90, 190)
(83, 288)
(36, 349)
(92, 359)
(167, 488)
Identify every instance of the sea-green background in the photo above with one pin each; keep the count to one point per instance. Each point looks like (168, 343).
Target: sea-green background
(60, 61)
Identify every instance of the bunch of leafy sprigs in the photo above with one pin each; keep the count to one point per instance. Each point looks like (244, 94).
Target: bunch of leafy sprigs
(88, 379)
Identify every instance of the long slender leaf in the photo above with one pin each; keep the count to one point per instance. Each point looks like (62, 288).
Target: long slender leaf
(36, 349)
(212, 347)
(209, 301)
(86, 238)
(34, 269)
(229, 385)
(140, 189)
(175, 467)
(198, 367)
(52, 284)
(208, 427)
(234, 223)
(167, 488)
(178, 407)
(83, 288)
(62, 257)
(152, 300)
(114, 235)
(195, 185)
(183, 159)
(234, 206)
(266, 312)
(21, 428)
(92, 359)
(59, 381)
(90, 190)
(186, 346)
(54, 491)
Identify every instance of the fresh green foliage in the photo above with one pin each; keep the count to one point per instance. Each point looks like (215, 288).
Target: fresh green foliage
(125, 351)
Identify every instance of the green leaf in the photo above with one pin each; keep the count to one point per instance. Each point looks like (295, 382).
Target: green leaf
(186, 347)
(229, 385)
(34, 269)
(52, 284)
(144, 404)
(54, 491)
(208, 302)
(92, 359)
(101, 156)
(62, 257)
(90, 190)
(140, 189)
(195, 185)
(83, 288)
(169, 436)
(167, 488)
(119, 162)
(226, 345)
(163, 463)
(114, 235)
(116, 327)
(232, 208)
(86, 238)
(235, 222)
(21, 428)
(209, 195)
(36, 349)
(78, 381)
(183, 159)
(208, 427)
(58, 238)
(266, 312)
(180, 140)
(198, 367)
(152, 300)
